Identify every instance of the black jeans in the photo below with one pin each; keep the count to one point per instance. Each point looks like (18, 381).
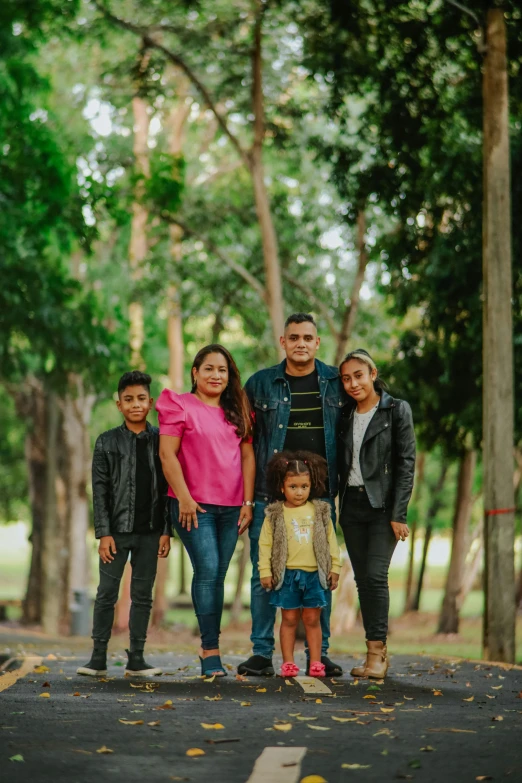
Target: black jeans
(143, 551)
(370, 542)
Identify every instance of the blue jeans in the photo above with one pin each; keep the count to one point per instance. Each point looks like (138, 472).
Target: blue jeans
(210, 547)
(263, 614)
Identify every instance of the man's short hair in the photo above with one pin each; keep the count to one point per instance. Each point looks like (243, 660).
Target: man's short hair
(134, 378)
(300, 318)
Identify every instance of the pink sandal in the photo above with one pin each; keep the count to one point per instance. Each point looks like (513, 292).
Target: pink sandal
(290, 670)
(317, 669)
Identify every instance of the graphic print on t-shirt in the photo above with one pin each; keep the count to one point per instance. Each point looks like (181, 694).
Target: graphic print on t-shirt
(302, 528)
(305, 429)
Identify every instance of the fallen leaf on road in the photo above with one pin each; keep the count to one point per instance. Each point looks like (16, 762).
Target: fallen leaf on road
(130, 722)
(85, 752)
(51, 657)
(387, 709)
(104, 749)
(496, 687)
(355, 766)
(46, 685)
(318, 701)
(468, 685)
(488, 696)
(195, 752)
(519, 696)
(77, 693)
(154, 723)
(279, 690)
(408, 698)
(369, 696)
(212, 725)
(301, 717)
(471, 698)
(210, 679)
(260, 690)
(288, 682)
(456, 731)
(246, 704)
(373, 688)
(484, 777)
(318, 728)
(313, 779)
(415, 764)
(214, 698)
(241, 677)
(497, 717)
(45, 695)
(387, 732)
(343, 720)
(18, 757)
(282, 726)
(427, 749)
(166, 706)
(41, 669)
(436, 692)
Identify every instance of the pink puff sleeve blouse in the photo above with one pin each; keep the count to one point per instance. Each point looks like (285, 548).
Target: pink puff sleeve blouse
(210, 454)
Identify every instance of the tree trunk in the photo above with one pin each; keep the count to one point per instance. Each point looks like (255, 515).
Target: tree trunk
(350, 313)
(274, 286)
(436, 502)
(449, 615)
(498, 408)
(408, 593)
(51, 583)
(237, 603)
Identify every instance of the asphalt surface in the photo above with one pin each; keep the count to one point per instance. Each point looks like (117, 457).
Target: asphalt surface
(429, 721)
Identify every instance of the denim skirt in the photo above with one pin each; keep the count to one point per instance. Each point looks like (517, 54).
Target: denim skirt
(300, 590)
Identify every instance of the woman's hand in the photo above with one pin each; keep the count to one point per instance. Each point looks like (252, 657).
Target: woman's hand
(188, 513)
(401, 530)
(245, 518)
(333, 580)
(267, 582)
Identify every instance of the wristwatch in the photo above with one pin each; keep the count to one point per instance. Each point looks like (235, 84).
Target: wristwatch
(247, 503)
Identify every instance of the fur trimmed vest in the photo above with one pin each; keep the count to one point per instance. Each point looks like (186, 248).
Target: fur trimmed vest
(323, 513)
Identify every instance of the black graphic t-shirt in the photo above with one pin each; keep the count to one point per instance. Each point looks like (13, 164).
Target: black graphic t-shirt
(306, 425)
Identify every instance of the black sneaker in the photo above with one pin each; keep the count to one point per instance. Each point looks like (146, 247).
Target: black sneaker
(97, 666)
(331, 669)
(138, 667)
(257, 665)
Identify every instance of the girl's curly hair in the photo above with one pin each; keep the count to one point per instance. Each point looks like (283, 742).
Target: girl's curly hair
(296, 463)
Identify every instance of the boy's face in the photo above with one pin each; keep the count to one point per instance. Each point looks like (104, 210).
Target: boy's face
(134, 403)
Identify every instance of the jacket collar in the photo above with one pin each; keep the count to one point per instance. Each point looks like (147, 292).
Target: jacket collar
(323, 371)
(126, 431)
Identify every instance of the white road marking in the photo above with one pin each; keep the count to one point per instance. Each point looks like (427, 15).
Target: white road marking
(9, 678)
(278, 765)
(312, 685)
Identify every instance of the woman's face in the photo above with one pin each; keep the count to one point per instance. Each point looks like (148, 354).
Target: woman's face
(357, 378)
(212, 376)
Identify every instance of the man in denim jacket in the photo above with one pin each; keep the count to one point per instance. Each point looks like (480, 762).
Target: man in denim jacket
(297, 405)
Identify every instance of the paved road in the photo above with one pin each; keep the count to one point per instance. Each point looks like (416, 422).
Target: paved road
(429, 721)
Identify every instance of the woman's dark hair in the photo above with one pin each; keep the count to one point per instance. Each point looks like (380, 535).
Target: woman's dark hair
(134, 378)
(294, 463)
(233, 400)
(363, 356)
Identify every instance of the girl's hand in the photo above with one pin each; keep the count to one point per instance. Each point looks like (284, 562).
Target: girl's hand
(333, 580)
(401, 530)
(267, 582)
(188, 513)
(245, 518)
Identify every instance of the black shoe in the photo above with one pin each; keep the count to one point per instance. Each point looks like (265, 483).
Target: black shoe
(331, 669)
(138, 667)
(97, 666)
(257, 665)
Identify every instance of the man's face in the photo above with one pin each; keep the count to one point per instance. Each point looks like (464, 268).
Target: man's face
(300, 342)
(134, 403)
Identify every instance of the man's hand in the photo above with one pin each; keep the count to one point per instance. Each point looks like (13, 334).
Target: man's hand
(333, 580)
(107, 549)
(245, 518)
(164, 546)
(267, 582)
(401, 530)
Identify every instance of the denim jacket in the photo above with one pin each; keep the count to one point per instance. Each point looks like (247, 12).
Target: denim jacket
(270, 398)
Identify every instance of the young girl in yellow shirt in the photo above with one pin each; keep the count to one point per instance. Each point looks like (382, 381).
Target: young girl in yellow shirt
(298, 552)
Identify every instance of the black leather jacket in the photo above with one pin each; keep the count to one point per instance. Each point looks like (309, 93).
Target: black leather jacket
(387, 456)
(114, 483)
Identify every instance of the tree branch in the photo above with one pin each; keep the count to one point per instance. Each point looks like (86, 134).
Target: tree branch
(350, 313)
(257, 82)
(239, 269)
(481, 44)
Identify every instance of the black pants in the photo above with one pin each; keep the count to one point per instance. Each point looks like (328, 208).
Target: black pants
(370, 542)
(143, 551)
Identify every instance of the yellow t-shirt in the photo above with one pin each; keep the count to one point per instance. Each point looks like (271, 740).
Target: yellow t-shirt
(300, 535)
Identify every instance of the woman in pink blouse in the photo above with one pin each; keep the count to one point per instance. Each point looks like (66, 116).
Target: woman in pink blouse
(208, 460)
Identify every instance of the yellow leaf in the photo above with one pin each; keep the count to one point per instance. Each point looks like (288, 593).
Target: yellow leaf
(45, 695)
(130, 722)
(214, 698)
(210, 679)
(288, 682)
(300, 717)
(246, 704)
(279, 690)
(398, 703)
(343, 720)
(166, 706)
(195, 752)
(260, 690)
(154, 723)
(318, 728)
(212, 725)
(369, 696)
(104, 749)
(471, 698)
(318, 701)
(436, 692)
(488, 696)
(387, 709)
(41, 669)
(282, 726)
(313, 779)
(241, 677)
(496, 687)
(427, 749)
(497, 717)
(408, 698)
(356, 766)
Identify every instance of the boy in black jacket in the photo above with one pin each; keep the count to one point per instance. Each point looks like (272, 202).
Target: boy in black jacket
(129, 496)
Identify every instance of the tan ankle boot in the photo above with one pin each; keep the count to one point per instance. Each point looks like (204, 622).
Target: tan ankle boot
(359, 671)
(376, 661)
